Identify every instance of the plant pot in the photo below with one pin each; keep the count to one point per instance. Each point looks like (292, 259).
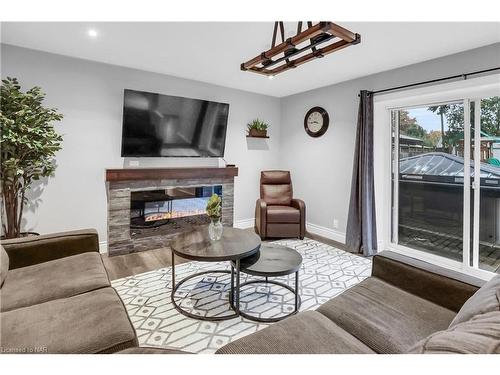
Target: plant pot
(215, 229)
(257, 133)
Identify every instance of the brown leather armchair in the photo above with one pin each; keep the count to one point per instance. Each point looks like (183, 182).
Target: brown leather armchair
(277, 214)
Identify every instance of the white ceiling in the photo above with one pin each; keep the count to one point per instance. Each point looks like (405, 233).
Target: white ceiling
(213, 52)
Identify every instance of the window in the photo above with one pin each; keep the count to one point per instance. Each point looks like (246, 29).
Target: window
(446, 180)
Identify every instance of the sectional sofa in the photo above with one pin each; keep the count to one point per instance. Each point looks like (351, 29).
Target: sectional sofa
(56, 297)
(406, 306)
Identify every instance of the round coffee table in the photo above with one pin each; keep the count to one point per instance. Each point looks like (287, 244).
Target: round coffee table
(234, 245)
(271, 261)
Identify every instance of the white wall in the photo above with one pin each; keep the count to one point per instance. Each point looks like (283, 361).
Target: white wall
(90, 95)
(322, 167)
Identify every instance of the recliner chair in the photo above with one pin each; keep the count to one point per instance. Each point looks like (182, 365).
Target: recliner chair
(277, 213)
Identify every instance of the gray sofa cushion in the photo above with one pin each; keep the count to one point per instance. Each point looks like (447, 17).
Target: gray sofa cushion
(306, 333)
(385, 318)
(479, 335)
(4, 265)
(30, 250)
(94, 322)
(486, 299)
(52, 280)
(447, 288)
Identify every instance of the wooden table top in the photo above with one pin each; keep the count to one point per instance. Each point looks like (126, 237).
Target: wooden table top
(234, 244)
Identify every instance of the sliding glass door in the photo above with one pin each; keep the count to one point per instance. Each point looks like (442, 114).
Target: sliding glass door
(485, 149)
(446, 181)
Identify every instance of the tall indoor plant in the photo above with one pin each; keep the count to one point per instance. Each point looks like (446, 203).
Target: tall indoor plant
(28, 144)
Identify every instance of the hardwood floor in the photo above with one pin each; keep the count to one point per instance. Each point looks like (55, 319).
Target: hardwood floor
(327, 241)
(132, 264)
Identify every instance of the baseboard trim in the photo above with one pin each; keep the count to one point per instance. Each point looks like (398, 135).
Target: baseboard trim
(103, 247)
(244, 224)
(329, 233)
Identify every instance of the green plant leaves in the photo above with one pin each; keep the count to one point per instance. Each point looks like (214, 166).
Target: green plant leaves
(214, 206)
(258, 125)
(28, 139)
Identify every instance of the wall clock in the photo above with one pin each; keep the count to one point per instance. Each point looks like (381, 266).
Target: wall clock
(316, 122)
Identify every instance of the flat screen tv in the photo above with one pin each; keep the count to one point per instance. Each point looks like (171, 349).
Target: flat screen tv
(162, 125)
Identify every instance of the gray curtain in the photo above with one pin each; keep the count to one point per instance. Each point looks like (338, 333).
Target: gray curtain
(361, 226)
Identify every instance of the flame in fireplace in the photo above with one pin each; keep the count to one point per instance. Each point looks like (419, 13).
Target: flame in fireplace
(172, 215)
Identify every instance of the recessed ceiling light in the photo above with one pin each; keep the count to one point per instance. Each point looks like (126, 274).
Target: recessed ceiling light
(92, 33)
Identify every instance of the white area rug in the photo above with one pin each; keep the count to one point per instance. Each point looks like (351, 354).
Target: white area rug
(325, 273)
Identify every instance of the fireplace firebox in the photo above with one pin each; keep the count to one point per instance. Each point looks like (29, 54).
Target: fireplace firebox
(156, 207)
(169, 210)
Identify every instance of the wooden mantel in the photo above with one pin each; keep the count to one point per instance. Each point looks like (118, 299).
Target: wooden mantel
(127, 174)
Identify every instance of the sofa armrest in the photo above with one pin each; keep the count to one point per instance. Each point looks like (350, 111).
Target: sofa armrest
(28, 251)
(261, 217)
(444, 287)
(301, 206)
(298, 204)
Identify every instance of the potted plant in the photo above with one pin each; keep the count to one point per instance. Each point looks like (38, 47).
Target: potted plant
(214, 211)
(257, 128)
(28, 143)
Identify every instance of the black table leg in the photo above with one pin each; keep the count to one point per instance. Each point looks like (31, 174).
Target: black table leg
(231, 294)
(173, 271)
(297, 291)
(237, 291)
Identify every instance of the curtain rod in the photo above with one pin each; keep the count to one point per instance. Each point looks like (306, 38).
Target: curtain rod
(463, 76)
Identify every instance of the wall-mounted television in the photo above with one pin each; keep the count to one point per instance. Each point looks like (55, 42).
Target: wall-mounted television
(156, 125)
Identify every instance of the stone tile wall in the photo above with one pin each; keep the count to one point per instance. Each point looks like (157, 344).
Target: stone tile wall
(119, 238)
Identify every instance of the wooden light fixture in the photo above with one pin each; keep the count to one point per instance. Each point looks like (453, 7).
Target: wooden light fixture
(314, 42)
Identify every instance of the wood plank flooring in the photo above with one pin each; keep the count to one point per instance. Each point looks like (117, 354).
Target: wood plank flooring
(132, 264)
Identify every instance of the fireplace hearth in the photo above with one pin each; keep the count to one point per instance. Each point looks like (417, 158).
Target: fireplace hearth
(147, 207)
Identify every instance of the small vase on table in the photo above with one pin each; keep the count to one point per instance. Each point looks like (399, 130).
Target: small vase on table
(214, 210)
(215, 229)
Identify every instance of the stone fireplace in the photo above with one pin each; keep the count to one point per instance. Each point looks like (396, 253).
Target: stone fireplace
(147, 207)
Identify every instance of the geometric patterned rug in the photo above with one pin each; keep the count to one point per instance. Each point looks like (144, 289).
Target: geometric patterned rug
(325, 273)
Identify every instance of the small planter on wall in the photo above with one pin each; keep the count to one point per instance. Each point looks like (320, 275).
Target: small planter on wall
(257, 133)
(257, 129)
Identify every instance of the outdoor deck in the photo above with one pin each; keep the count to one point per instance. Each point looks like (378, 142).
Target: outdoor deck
(445, 240)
